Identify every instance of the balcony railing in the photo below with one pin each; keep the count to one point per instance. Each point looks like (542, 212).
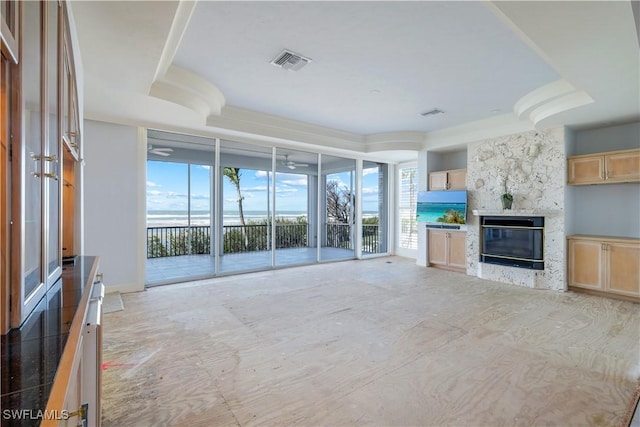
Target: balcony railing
(184, 240)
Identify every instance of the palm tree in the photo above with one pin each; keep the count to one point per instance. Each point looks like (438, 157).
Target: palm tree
(233, 175)
(452, 217)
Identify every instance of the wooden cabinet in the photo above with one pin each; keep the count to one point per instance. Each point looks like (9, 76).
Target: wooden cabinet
(448, 180)
(447, 249)
(603, 264)
(604, 168)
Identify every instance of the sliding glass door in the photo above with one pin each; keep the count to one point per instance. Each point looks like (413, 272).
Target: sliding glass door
(228, 207)
(338, 196)
(295, 207)
(179, 208)
(246, 186)
(375, 208)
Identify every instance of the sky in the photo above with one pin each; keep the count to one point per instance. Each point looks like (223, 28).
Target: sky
(168, 189)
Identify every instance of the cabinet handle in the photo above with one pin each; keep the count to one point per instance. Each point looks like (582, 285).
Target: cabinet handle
(36, 158)
(82, 412)
(606, 175)
(50, 175)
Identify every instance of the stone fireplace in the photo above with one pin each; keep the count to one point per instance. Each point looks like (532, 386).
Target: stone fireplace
(531, 166)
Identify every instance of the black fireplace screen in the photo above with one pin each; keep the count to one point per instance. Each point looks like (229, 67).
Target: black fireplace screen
(513, 241)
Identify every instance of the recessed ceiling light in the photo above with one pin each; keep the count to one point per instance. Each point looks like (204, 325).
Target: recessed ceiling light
(433, 112)
(375, 91)
(497, 110)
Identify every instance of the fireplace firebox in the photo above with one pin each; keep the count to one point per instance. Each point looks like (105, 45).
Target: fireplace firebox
(513, 241)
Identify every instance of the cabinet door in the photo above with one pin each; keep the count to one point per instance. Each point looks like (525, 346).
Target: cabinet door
(27, 181)
(623, 167)
(457, 179)
(438, 181)
(457, 250)
(437, 247)
(585, 170)
(585, 264)
(623, 268)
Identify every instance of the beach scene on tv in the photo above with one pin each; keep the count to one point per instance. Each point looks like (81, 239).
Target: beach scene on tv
(449, 207)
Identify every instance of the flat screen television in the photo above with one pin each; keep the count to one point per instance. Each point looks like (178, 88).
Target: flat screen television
(442, 207)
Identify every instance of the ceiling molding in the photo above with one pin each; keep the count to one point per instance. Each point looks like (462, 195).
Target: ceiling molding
(189, 90)
(390, 141)
(550, 99)
(559, 105)
(254, 122)
(179, 25)
(460, 136)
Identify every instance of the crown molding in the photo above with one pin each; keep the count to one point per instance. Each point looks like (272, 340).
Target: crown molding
(391, 141)
(460, 136)
(254, 122)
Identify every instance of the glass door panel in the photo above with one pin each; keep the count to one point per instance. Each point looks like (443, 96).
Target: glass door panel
(180, 228)
(200, 219)
(52, 158)
(246, 185)
(374, 208)
(31, 180)
(295, 198)
(337, 184)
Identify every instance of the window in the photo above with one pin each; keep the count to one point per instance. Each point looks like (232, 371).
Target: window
(407, 197)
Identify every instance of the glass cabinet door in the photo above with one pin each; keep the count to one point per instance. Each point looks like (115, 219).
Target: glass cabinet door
(52, 160)
(29, 231)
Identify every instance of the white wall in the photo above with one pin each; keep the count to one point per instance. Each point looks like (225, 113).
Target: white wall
(611, 209)
(114, 184)
(612, 138)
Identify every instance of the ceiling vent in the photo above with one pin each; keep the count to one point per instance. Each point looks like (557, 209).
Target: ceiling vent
(290, 60)
(433, 112)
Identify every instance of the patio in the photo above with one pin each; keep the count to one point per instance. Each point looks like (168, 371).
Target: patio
(172, 269)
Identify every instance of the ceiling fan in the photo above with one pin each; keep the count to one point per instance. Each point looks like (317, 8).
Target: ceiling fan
(159, 151)
(291, 164)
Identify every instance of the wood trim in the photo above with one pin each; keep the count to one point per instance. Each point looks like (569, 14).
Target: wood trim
(61, 382)
(605, 239)
(604, 153)
(5, 105)
(8, 43)
(16, 178)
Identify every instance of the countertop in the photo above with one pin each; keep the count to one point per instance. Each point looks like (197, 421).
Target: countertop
(31, 354)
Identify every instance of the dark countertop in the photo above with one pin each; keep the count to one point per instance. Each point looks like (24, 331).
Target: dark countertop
(31, 353)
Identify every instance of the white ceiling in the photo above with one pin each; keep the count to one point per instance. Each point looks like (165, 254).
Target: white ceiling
(491, 66)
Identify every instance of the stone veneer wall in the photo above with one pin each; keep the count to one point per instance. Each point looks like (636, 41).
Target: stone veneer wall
(532, 166)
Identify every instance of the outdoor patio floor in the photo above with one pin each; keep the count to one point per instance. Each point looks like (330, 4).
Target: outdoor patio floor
(165, 270)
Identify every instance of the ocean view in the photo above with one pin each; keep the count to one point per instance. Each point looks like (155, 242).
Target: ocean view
(168, 218)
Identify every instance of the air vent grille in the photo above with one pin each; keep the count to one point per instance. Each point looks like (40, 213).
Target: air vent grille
(290, 60)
